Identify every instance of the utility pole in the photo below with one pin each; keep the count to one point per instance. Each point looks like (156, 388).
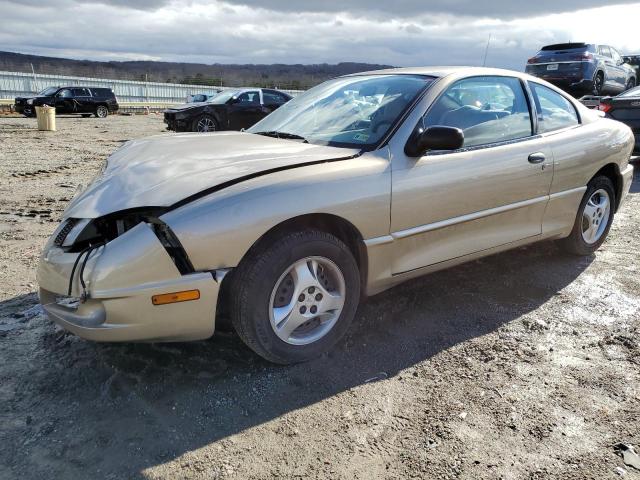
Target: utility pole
(35, 81)
(486, 51)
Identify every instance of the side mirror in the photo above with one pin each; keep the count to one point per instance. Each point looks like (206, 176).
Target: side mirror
(433, 138)
(626, 60)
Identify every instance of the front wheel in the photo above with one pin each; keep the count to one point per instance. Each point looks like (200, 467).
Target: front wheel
(205, 123)
(102, 111)
(293, 298)
(594, 218)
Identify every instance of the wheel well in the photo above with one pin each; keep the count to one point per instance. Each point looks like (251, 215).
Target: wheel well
(338, 226)
(611, 171)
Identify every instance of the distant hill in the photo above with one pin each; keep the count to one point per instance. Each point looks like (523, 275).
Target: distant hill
(275, 75)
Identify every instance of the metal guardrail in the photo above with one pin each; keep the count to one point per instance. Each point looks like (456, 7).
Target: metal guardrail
(17, 84)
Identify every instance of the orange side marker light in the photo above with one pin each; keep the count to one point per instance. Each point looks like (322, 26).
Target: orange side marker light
(175, 297)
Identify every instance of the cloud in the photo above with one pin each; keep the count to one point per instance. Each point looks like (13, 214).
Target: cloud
(308, 32)
(408, 8)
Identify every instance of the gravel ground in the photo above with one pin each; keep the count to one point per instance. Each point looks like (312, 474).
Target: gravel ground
(524, 365)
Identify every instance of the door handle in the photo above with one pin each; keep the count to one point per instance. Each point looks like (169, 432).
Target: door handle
(537, 158)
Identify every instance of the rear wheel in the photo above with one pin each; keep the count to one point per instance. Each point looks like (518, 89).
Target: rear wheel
(631, 83)
(205, 123)
(294, 297)
(102, 111)
(598, 83)
(594, 218)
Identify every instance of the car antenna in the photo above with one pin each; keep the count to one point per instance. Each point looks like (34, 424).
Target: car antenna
(486, 51)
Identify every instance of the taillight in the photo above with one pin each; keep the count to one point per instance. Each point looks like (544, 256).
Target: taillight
(583, 56)
(533, 60)
(605, 107)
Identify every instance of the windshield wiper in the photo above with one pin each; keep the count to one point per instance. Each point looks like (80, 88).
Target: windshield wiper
(285, 135)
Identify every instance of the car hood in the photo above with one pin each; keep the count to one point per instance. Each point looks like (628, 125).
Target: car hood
(163, 170)
(32, 97)
(187, 106)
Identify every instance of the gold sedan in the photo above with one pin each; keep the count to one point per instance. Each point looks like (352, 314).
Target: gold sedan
(356, 185)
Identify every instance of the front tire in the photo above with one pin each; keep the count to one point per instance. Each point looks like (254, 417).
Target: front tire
(204, 123)
(292, 298)
(594, 218)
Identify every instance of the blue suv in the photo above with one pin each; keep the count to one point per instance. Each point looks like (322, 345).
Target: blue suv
(583, 68)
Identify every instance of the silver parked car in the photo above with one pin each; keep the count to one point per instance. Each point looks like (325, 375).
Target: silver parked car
(358, 184)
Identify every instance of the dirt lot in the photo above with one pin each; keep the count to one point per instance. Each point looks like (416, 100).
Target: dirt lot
(524, 365)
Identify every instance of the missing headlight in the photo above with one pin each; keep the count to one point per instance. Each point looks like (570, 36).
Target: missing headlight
(104, 229)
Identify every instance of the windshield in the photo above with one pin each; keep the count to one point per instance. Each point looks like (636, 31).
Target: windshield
(48, 91)
(223, 97)
(349, 111)
(634, 92)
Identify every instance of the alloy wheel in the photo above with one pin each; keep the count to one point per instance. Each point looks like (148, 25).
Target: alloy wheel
(307, 300)
(598, 83)
(595, 216)
(205, 124)
(101, 111)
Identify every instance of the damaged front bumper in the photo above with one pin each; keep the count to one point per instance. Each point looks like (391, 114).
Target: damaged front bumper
(121, 278)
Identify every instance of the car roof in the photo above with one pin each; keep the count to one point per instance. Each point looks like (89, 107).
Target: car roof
(83, 86)
(444, 71)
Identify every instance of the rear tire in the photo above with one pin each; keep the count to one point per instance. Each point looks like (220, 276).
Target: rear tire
(102, 111)
(292, 298)
(598, 84)
(630, 84)
(593, 219)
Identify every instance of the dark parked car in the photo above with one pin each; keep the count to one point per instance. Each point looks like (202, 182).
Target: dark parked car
(229, 110)
(626, 109)
(86, 101)
(583, 68)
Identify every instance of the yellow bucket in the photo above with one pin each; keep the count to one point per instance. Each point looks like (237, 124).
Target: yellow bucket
(46, 118)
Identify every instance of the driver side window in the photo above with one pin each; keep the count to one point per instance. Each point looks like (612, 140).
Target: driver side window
(249, 98)
(487, 110)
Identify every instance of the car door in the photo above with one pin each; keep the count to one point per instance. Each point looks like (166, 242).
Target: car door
(620, 70)
(610, 70)
(491, 192)
(82, 100)
(64, 101)
(245, 110)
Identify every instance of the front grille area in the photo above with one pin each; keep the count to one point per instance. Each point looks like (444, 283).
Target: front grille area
(62, 235)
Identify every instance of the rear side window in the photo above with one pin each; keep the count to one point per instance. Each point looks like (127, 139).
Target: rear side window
(102, 92)
(80, 92)
(272, 97)
(487, 109)
(554, 111)
(604, 50)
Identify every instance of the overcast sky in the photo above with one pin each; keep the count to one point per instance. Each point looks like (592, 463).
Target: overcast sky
(399, 32)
